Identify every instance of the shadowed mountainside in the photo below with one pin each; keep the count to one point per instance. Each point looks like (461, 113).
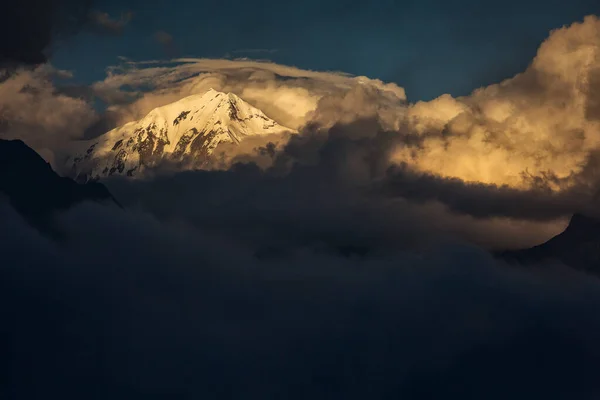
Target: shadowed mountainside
(35, 190)
(578, 246)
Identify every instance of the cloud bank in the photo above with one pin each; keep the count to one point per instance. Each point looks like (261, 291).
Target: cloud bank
(128, 306)
(347, 261)
(523, 151)
(326, 187)
(540, 125)
(287, 94)
(539, 128)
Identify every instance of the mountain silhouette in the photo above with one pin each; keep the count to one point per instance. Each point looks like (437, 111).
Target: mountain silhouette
(35, 191)
(578, 246)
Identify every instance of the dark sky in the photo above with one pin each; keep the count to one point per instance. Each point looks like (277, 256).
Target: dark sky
(429, 47)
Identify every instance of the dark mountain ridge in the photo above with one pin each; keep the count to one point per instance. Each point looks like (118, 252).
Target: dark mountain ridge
(578, 246)
(35, 191)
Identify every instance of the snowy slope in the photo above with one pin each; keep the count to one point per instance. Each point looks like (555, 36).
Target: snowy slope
(190, 128)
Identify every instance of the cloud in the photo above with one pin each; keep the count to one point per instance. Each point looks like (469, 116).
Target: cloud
(536, 125)
(539, 128)
(286, 94)
(522, 150)
(163, 37)
(329, 188)
(31, 109)
(167, 42)
(104, 23)
(348, 260)
(519, 152)
(129, 306)
(29, 28)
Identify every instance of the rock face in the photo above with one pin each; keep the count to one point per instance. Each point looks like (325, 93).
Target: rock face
(35, 190)
(189, 129)
(578, 246)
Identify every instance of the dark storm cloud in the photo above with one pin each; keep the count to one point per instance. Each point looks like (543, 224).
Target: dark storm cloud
(130, 307)
(485, 201)
(29, 27)
(360, 153)
(334, 189)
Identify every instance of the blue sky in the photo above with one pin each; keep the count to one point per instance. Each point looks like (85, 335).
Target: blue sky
(429, 47)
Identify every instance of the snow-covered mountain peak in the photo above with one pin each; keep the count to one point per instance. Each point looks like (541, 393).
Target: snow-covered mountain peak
(191, 128)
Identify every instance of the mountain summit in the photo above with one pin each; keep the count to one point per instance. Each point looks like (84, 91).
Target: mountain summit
(190, 128)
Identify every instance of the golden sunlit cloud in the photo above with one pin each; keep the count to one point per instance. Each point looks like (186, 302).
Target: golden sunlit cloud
(539, 126)
(539, 123)
(32, 110)
(287, 94)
